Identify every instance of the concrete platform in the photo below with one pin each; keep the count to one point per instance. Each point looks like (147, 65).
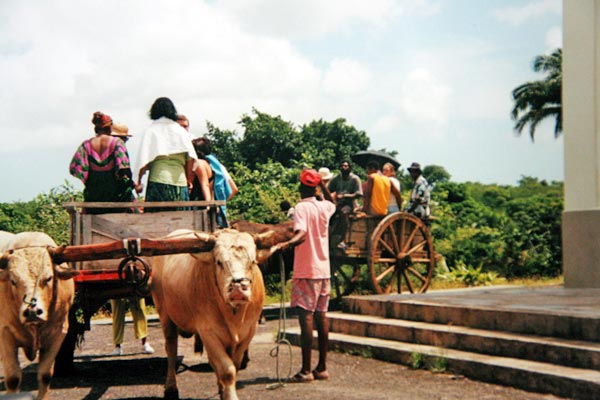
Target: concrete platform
(544, 339)
(549, 300)
(542, 310)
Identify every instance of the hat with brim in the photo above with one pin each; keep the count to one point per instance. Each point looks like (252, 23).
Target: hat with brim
(414, 167)
(325, 173)
(120, 130)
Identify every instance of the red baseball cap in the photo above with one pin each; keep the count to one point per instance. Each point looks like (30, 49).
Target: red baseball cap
(310, 177)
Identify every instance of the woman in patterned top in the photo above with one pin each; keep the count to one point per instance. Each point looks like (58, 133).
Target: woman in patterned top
(102, 164)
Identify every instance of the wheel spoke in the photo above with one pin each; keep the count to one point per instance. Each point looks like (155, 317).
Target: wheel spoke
(395, 239)
(388, 288)
(408, 281)
(410, 238)
(417, 274)
(423, 260)
(386, 245)
(416, 247)
(385, 272)
(386, 260)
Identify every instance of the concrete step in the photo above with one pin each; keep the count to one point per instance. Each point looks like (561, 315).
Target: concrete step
(578, 354)
(475, 315)
(524, 374)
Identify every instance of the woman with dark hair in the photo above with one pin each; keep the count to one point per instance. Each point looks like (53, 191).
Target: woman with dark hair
(166, 152)
(102, 164)
(204, 177)
(224, 188)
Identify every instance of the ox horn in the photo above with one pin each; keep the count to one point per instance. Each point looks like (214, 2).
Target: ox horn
(265, 240)
(56, 253)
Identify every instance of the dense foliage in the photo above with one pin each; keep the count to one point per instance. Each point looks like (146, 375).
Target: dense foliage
(512, 231)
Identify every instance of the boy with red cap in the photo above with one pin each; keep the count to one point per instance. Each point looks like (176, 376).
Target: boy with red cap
(311, 279)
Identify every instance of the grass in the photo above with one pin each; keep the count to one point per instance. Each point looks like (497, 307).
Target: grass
(441, 284)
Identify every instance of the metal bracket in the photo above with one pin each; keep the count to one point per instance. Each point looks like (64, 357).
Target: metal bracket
(133, 247)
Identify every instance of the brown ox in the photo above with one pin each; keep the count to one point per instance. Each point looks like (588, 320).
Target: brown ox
(218, 295)
(36, 295)
(282, 232)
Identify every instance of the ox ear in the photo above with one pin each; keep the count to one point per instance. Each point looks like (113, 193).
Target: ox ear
(63, 271)
(4, 265)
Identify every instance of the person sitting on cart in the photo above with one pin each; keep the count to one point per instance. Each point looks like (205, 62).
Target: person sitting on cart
(389, 171)
(418, 203)
(378, 189)
(345, 188)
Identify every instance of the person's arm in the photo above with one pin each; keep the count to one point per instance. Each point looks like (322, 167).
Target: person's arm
(233, 186)
(190, 166)
(397, 195)
(367, 195)
(200, 172)
(414, 201)
(139, 187)
(325, 192)
(299, 237)
(357, 193)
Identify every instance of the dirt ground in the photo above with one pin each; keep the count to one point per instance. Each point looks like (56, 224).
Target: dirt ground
(139, 376)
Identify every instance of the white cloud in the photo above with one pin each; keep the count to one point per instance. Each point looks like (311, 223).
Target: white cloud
(345, 77)
(75, 58)
(424, 97)
(554, 38)
(313, 18)
(521, 14)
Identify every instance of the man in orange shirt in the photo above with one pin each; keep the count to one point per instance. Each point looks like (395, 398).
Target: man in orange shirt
(377, 191)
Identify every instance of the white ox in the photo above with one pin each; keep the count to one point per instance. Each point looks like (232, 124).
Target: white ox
(36, 295)
(217, 294)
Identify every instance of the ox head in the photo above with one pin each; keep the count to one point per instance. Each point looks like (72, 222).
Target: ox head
(236, 264)
(30, 275)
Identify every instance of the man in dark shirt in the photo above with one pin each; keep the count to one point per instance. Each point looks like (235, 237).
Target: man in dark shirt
(345, 188)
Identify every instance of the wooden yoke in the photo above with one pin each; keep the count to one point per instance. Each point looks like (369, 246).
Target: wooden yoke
(132, 247)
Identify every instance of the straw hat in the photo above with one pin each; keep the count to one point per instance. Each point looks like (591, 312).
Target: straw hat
(120, 130)
(325, 173)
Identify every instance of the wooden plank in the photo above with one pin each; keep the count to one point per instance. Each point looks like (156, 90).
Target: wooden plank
(72, 206)
(114, 228)
(143, 247)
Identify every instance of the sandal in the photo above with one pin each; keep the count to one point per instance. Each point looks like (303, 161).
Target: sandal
(301, 378)
(320, 375)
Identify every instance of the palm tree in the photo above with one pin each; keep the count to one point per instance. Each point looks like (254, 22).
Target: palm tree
(535, 101)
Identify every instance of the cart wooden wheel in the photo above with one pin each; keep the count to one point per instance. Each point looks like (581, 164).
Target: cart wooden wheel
(344, 276)
(401, 255)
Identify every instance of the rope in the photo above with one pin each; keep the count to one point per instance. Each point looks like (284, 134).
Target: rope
(281, 340)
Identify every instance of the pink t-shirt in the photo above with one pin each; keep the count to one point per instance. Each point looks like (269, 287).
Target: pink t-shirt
(311, 257)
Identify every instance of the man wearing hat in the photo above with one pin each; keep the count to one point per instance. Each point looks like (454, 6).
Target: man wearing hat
(311, 283)
(420, 196)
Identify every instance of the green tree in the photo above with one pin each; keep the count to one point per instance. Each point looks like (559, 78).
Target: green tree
(435, 174)
(225, 144)
(269, 138)
(538, 100)
(326, 144)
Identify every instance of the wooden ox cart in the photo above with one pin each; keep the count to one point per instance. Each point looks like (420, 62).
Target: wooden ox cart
(397, 250)
(111, 251)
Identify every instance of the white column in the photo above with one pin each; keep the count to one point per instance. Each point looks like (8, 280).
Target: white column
(581, 126)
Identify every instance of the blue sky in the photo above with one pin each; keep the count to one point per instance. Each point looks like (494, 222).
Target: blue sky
(429, 79)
